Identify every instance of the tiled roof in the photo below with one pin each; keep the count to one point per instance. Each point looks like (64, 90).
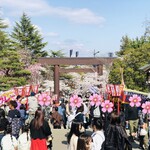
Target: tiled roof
(145, 68)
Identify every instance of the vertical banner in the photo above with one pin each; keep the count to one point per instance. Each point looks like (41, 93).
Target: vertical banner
(19, 91)
(108, 90)
(113, 91)
(34, 88)
(119, 90)
(27, 90)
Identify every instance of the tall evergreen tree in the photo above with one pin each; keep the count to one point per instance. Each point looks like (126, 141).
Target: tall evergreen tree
(4, 40)
(12, 71)
(26, 36)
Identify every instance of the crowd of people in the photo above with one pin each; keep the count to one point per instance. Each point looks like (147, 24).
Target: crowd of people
(27, 126)
(23, 126)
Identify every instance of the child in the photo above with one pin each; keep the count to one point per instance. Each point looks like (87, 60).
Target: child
(9, 142)
(24, 140)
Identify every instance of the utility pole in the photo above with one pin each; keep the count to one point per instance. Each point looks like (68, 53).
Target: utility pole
(95, 53)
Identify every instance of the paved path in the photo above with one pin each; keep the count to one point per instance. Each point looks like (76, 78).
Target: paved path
(60, 140)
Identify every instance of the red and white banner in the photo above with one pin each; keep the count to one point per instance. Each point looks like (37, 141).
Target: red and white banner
(27, 90)
(114, 90)
(19, 91)
(108, 90)
(119, 89)
(34, 88)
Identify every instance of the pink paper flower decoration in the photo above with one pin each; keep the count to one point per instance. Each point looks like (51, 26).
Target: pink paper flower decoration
(95, 99)
(44, 99)
(107, 106)
(146, 107)
(75, 101)
(135, 100)
(1, 100)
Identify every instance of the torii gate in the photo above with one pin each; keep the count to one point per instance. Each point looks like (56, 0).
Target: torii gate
(98, 62)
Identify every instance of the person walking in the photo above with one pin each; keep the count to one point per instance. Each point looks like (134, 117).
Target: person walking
(115, 136)
(3, 124)
(62, 112)
(24, 140)
(32, 106)
(14, 118)
(132, 120)
(73, 135)
(39, 131)
(98, 135)
(9, 142)
(56, 119)
(84, 142)
(22, 111)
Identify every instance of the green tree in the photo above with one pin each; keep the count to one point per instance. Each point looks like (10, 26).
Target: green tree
(12, 71)
(4, 40)
(58, 53)
(135, 54)
(26, 36)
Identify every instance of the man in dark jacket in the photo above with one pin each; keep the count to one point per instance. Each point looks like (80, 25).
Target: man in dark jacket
(131, 115)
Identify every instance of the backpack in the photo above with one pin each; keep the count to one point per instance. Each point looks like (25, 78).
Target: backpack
(95, 111)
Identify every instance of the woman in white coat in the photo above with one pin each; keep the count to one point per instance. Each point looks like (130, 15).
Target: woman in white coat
(9, 142)
(73, 135)
(24, 140)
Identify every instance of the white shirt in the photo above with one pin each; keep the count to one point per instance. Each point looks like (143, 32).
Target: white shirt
(23, 143)
(73, 143)
(8, 142)
(33, 103)
(86, 110)
(98, 139)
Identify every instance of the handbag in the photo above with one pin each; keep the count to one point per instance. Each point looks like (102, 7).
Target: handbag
(143, 132)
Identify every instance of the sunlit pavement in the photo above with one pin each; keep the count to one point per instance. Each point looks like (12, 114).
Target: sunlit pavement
(60, 139)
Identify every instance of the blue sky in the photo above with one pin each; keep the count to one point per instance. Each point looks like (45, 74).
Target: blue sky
(81, 25)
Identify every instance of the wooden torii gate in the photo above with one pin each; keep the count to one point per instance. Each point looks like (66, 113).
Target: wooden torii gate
(98, 62)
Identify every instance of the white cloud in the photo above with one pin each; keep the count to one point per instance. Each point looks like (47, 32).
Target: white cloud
(73, 44)
(7, 22)
(80, 16)
(51, 34)
(40, 7)
(68, 44)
